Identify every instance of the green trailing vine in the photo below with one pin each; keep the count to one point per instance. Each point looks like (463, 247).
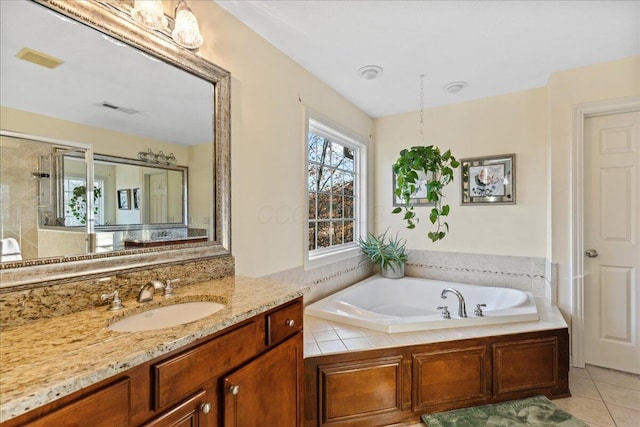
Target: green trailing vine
(78, 203)
(438, 168)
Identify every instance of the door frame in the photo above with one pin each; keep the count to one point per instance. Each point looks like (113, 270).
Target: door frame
(582, 112)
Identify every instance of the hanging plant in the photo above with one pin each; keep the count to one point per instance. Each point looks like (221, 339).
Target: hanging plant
(78, 203)
(438, 168)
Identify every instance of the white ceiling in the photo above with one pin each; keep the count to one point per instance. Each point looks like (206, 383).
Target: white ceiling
(496, 46)
(172, 105)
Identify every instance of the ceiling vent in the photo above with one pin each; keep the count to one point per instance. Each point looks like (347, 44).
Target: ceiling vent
(39, 58)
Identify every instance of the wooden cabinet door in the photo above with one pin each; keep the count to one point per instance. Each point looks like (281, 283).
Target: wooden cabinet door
(451, 378)
(267, 391)
(522, 367)
(190, 413)
(106, 407)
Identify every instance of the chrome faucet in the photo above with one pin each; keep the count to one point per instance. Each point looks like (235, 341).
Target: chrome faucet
(146, 291)
(462, 307)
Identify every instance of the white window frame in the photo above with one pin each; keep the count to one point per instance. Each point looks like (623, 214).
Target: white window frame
(324, 127)
(99, 217)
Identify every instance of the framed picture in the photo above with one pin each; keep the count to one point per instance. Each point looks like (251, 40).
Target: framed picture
(419, 197)
(124, 199)
(490, 179)
(136, 198)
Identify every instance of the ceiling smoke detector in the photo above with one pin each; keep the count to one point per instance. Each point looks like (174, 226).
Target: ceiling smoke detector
(454, 87)
(370, 72)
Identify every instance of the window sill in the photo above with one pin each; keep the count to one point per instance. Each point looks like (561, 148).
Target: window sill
(330, 257)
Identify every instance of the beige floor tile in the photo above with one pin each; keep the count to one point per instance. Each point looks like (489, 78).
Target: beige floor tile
(624, 417)
(588, 410)
(580, 372)
(581, 386)
(620, 396)
(618, 378)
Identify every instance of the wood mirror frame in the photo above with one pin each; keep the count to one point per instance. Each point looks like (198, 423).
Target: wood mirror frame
(47, 271)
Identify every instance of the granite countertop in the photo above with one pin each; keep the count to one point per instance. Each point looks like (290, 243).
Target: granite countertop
(45, 360)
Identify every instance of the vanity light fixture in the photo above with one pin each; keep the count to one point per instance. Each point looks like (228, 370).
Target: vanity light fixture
(183, 30)
(370, 72)
(455, 87)
(149, 13)
(160, 158)
(186, 31)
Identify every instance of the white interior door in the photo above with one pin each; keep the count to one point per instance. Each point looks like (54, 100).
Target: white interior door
(612, 258)
(158, 198)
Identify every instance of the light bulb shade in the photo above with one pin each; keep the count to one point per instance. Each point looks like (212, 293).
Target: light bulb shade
(149, 13)
(186, 31)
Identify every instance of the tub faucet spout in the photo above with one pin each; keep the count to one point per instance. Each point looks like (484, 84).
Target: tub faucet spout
(462, 307)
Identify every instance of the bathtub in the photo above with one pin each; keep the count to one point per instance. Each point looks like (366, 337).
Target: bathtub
(410, 304)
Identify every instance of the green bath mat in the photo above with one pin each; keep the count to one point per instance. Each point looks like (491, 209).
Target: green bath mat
(534, 411)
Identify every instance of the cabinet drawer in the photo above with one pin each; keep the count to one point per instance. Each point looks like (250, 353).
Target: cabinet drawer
(106, 407)
(180, 376)
(283, 323)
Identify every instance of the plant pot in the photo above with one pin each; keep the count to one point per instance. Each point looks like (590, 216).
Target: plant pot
(391, 273)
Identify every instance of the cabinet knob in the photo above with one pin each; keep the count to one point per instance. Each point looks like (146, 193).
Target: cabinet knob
(234, 389)
(205, 408)
(290, 323)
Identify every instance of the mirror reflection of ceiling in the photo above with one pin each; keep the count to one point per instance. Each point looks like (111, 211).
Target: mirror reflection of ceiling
(155, 100)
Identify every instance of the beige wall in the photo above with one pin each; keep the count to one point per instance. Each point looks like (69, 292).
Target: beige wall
(567, 90)
(513, 123)
(267, 139)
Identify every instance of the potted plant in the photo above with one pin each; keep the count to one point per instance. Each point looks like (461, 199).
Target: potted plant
(438, 168)
(78, 203)
(388, 253)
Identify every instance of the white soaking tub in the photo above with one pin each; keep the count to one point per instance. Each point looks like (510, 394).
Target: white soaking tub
(410, 304)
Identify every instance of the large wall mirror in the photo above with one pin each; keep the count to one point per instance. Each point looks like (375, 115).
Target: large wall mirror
(114, 143)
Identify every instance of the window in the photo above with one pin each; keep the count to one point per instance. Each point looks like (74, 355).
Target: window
(79, 218)
(336, 180)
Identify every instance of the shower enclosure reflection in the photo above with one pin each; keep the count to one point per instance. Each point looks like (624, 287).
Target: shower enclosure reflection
(49, 210)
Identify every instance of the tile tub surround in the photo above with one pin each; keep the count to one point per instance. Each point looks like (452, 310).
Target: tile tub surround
(25, 306)
(328, 279)
(323, 337)
(45, 360)
(531, 274)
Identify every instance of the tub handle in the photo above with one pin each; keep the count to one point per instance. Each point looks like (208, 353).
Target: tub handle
(478, 311)
(445, 312)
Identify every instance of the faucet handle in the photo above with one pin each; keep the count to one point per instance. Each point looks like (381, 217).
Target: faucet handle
(168, 288)
(445, 312)
(116, 303)
(157, 284)
(478, 311)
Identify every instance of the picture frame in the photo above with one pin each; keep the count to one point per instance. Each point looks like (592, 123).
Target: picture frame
(136, 198)
(124, 199)
(418, 198)
(488, 180)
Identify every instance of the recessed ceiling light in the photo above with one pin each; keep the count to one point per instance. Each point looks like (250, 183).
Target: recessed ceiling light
(370, 72)
(455, 87)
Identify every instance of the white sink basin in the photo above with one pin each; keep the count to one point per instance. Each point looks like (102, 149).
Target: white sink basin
(166, 317)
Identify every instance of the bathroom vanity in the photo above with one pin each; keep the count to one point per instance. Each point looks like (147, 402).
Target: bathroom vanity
(241, 366)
